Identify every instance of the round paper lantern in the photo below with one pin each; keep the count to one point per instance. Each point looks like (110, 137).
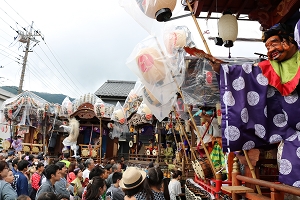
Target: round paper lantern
(150, 98)
(151, 65)
(175, 40)
(161, 10)
(228, 29)
(118, 115)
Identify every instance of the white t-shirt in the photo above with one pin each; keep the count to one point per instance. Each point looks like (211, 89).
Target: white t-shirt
(85, 174)
(174, 189)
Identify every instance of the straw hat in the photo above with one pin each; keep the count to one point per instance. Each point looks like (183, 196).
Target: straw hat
(132, 177)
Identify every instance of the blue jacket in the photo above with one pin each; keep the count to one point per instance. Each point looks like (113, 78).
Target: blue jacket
(22, 183)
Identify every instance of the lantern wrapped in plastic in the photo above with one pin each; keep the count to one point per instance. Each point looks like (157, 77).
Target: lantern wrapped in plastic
(177, 37)
(118, 115)
(67, 107)
(133, 99)
(145, 111)
(159, 110)
(200, 85)
(99, 108)
(149, 63)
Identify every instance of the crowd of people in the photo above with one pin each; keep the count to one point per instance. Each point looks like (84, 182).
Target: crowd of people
(36, 177)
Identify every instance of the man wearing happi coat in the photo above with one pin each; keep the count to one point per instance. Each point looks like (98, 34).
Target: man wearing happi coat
(261, 104)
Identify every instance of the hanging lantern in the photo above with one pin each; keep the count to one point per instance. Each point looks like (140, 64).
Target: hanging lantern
(228, 28)
(151, 65)
(161, 10)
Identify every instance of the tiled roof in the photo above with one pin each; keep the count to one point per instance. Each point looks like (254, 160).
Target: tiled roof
(115, 88)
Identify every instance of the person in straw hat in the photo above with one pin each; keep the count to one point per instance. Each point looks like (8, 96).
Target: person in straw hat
(132, 182)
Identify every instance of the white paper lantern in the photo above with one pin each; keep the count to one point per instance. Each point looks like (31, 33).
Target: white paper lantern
(228, 29)
(151, 65)
(161, 10)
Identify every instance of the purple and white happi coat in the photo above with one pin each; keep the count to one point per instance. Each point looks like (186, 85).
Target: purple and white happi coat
(255, 114)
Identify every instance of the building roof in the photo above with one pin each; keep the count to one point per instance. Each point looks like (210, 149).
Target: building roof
(115, 88)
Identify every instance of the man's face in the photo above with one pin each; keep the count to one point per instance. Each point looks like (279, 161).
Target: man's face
(277, 49)
(57, 175)
(104, 175)
(119, 168)
(63, 170)
(42, 168)
(92, 165)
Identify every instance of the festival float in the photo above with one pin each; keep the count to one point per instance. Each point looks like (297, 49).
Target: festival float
(92, 139)
(26, 117)
(222, 155)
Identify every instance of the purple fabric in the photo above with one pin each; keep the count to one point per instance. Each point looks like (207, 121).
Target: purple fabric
(255, 114)
(297, 33)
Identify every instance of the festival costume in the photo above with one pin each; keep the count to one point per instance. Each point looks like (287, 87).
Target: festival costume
(260, 106)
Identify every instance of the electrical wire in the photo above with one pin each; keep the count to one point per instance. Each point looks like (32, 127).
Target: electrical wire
(7, 56)
(39, 77)
(36, 31)
(16, 12)
(54, 73)
(12, 51)
(62, 68)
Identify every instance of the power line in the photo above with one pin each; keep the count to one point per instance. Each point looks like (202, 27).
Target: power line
(54, 73)
(49, 81)
(16, 12)
(12, 50)
(62, 69)
(7, 56)
(41, 79)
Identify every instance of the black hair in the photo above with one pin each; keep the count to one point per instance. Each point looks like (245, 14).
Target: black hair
(40, 164)
(81, 166)
(116, 176)
(108, 166)
(23, 197)
(66, 155)
(166, 182)
(76, 171)
(96, 171)
(133, 191)
(175, 173)
(22, 165)
(30, 157)
(283, 31)
(92, 191)
(15, 161)
(47, 196)
(51, 169)
(3, 165)
(154, 178)
(60, 165)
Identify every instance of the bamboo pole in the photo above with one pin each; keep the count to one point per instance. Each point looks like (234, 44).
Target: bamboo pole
(252, 170)
(198, 27)
(196, 129)
(191, 116)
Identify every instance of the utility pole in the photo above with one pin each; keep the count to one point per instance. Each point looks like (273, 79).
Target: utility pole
(26, 39)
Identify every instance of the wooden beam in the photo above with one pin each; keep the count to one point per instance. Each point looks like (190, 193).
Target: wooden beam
(213, 3)
(241, 8)
(284, 10)
(226, 5)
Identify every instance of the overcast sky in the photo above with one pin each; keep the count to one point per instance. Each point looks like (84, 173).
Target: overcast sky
(87, 43)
